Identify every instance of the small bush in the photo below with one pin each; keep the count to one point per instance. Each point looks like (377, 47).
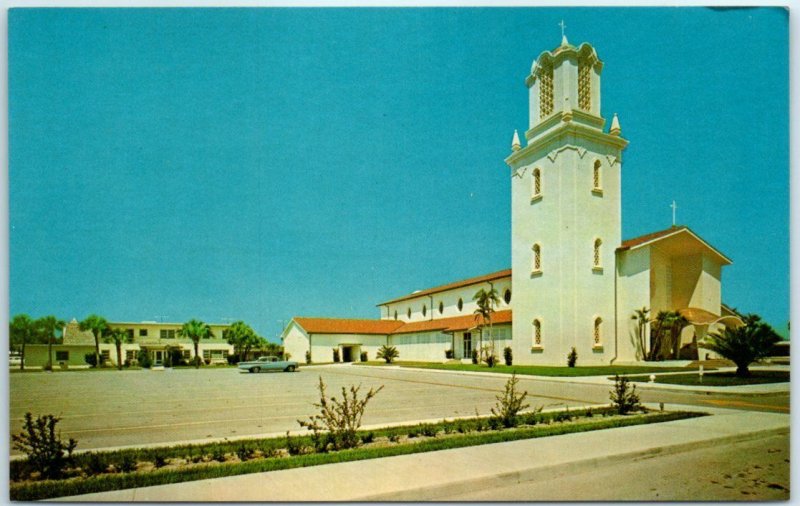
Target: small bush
(588, 413)
(244, 453)
(43, 446)
(388, 353)
(510, 403)
(364, 356)
(495, 423)
(474, 356)
(572, 358)
(508, 355)
(90, 359)
(338, 420)
(206, 361)
(428, 430)
(394, 438)
(623, 397)
(367, 438)
(127, 464)
(308, 357)
(491, 360)
(336, 355)
(461, 429)
(412, 433)
(449, 353)
(564, 416)
(144, 359)
(159, 461)
(95, 464)
(218, 455)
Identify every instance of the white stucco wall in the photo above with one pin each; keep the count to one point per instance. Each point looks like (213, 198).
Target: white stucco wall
(633, 292)
(322, 345)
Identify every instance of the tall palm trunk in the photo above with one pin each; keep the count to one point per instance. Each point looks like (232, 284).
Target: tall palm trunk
(97, 349)
(119, 355)
(50, 352)
(196, 356)
(22, 358)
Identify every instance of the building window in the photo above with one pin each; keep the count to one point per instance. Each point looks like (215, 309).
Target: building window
(130, 334)
(408, 313)
(62, 356)
(187, 354)
(105, 355)
(596, 176)
(460, 304)
(424, 310)
(597, 331)
(441, 307)
(167, 333)
(545, 90)
(584, 84)
(507, 296)
(537, 258)
(395, 314)
(130, 355)
(537, 333)
(142, 332)
(597, 244)
(537, 183)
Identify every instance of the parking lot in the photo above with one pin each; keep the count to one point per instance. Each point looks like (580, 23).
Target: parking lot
(104, 409)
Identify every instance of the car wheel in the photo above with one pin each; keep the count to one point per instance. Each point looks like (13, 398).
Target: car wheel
(255, 369)
(290, 368)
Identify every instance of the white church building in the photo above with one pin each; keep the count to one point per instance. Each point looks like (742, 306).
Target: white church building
(574, 282)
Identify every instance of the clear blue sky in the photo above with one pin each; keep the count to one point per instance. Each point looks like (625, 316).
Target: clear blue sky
(259, 164)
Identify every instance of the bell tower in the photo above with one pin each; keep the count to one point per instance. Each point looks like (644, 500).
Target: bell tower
(565, 213)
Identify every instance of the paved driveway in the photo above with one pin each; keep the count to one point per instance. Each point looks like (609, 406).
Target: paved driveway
(110, 408)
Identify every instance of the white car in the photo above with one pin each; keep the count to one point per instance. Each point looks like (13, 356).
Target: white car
(268, 364)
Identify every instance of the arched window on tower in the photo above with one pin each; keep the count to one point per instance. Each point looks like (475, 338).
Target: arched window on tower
(598, 338)
(537, 258)
(545, 90)
(596, 180)
(597, 245)
(536, 183)
(537, 334)
(585, 84)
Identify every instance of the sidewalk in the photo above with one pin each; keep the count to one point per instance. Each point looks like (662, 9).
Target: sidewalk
(426, 476)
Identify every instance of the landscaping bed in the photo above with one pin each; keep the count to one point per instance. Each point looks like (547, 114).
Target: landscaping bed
(101, 471)
(538, 370)
(718, 379)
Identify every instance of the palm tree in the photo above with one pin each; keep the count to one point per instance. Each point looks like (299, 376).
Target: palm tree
(47, 326)
(242, 337)
(486, 301)
(99, 327)
(658, 328)
(387, 353)
(21, 331)
(641, 316)
(678, 323)
(118, 336)
(743, 345)
(196, 330)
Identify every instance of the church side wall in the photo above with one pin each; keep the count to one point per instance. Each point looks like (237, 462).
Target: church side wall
(295, 343)
(686, 285)
(421, 346)
(633, 292)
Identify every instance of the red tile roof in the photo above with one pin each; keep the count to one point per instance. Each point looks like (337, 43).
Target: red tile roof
(347, 326)
(387, 327)
(457, 284)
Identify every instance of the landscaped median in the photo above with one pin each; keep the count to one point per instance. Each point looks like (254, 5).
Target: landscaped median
(538, 370)
(718, 379)
(102, 471)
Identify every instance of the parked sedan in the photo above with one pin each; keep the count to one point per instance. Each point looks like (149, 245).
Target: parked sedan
(268, 364)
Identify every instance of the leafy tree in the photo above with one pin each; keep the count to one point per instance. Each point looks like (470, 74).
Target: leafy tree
(21, 332)
(196, 330)
(510, 403)
(486, 301)
(242, 337)
(743, 345)
(46, 327)
(99, 327)
(640, 315)
(666, 328)
(388, 353)
(118, 336)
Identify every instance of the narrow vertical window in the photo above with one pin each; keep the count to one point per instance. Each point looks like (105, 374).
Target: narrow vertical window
(395, 314)
(597, 331)
(424, 310)
(408, 313)
(441, 307)
(537, 333)
(460, 304)
(545, 90)
(507, 296)
(537, 258)
(537, 183)
(584, 84)
(596, 176)
(597, 244)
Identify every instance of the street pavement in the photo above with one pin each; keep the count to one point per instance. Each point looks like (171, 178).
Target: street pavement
(599, 464)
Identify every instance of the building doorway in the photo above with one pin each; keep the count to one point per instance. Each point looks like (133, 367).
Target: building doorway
(467, 345)
(347, 353)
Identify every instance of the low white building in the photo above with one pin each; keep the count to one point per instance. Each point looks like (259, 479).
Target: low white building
(575, 283)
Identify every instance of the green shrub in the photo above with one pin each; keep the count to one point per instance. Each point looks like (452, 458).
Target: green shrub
(508, 355)
(428, 430)
(588, 413)
(308, 357)
(449, 353)
(388, 353)
(474, 356)
(495, 423)
(743, 345)
(364, 356)
(336, 354)
(95, 464)
(144, 359)
(338, 419)
(218, 455)
(367, 437)
(159, 461)
(394, 438)
(510, 403)
(491, 360)
(623, 397)
(412, 433)
(45, 451)
(572, 358)
(127, 464)
(244, 453)
(90, 358)
(563, 416)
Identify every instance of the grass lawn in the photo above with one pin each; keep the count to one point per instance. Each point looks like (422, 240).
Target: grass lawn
(539, 370)
(719, 379)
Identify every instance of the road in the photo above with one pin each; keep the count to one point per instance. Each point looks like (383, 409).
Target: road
(104, 409)
(753, 470)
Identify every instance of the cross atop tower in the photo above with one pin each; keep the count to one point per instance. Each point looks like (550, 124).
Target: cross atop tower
(674, 206)
(563, 37)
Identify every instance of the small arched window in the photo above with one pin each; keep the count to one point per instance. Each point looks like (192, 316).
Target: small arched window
(537, 183)
(537, 333)
(596, 176)
(441, 307)
(597, 244)
(537, 258)
(460, 304)
(424, 310)
(507, 296)
(598, 338)
(408, 313)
